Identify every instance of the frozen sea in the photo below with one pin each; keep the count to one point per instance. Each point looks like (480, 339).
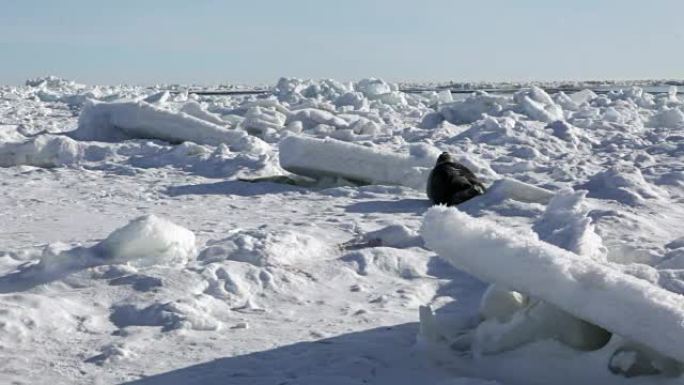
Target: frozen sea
(150, 237)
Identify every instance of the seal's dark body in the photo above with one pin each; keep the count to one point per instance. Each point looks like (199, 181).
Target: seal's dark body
(451, 183)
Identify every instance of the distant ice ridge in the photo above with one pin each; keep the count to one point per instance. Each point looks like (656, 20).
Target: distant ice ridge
(590, 290)
(111, 122)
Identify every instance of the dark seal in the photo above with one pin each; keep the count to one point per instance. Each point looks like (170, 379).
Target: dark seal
(451, 183)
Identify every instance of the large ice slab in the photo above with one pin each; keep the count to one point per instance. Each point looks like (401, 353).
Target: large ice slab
(593, 291)
(113, 122)
(330, 157)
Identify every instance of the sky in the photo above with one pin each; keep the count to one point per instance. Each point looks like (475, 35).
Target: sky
(258, 41)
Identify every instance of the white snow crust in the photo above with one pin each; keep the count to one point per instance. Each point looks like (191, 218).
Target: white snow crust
(276, 237)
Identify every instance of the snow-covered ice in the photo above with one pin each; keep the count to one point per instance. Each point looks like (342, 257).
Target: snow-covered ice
(621, 303)
(156, 235)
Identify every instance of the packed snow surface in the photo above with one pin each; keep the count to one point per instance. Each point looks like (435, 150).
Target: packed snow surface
(159, 236)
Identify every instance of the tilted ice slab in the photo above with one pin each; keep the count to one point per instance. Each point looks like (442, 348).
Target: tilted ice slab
(113, 122)
(623, 304)
(329, 157)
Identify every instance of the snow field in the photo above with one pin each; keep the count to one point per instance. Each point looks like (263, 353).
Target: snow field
(320, 281)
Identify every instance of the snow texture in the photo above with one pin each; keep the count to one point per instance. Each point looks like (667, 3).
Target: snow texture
(277, 278)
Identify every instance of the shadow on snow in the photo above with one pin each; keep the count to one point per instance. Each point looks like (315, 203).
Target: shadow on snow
(385, 355)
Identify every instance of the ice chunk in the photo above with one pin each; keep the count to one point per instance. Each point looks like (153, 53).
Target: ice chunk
(259, 120)
(623, 183)
(41, 151)
(668, 118)
(595, 292)
(566, 224)
(396, 235)
(473, 108)
(500, 304)
(354, 99)
(431, 120)
(574, 135)
(583, 96)
(329, 157)
(158, 98)
(195, 109)
(536, 322)
(149, 240)
(508, 188)
(311, 117)
(372, 87)
(537, 107)
(112, 122)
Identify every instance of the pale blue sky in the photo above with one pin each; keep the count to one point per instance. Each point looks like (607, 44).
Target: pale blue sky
(252, 41)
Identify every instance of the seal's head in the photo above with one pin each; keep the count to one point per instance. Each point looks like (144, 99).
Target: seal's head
(445, 157)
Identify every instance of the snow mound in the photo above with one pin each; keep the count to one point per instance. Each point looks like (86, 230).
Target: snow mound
(329, 157)
(595, 292)
(264, 248)
(566, 224)
(236, 282)
(623, 183)
(23, 315)
(148, 240)
(113, 122)
(41, 151)
(170, 316)
(388, 261)
(395, 235)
